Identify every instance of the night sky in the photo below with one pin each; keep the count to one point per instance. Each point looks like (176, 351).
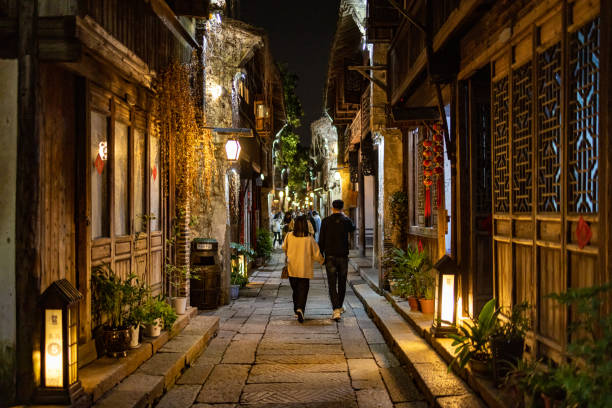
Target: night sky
(300, 33)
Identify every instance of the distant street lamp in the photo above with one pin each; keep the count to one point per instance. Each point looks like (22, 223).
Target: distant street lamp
(232, 149)
(337, 176)
(445, 314)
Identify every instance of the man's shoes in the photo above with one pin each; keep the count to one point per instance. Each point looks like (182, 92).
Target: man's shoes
(300, 315)
(336, 315)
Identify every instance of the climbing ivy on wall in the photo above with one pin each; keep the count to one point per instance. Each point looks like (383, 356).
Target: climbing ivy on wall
(186, 143)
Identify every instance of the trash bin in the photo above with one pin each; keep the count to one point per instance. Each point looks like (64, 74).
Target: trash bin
(205, 264)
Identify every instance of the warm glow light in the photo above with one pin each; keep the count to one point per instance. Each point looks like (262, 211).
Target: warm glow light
(337, 176)
(232, 149)
(262, 177)
(448, 299)
(53, 348)
(281, 194)
(216, 91)
(103, 150)
(312, 195)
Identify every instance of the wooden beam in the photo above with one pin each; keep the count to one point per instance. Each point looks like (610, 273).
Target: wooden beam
(370, 78)
(28, 228)
(424, 113)
(407, 15)
(167, 16)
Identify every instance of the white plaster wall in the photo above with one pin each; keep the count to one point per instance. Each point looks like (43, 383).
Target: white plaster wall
(8, 179)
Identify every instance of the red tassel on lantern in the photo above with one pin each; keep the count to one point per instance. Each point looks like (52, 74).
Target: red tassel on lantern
(427, 202)
(439, 193)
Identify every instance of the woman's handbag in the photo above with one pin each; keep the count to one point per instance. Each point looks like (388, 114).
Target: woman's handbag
(285, 272)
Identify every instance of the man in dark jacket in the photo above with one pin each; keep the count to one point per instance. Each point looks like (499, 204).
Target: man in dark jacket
(334, 245)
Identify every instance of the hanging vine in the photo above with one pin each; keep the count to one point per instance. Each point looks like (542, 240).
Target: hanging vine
(187, 145)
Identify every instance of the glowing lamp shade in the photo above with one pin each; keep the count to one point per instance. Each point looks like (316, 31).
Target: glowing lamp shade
(445, 315)
(232, 149)
(58, 349)
(337, 176)
(281, 194)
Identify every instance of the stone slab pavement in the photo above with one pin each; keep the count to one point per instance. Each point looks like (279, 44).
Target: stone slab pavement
(263, 357)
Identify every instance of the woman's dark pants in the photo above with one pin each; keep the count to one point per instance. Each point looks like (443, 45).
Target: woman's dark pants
(300, 288)
(277, 238)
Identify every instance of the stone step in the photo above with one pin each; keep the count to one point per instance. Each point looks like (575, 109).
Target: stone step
(158, 374)
(429, 371)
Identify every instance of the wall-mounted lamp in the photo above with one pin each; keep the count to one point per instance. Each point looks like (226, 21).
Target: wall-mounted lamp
(232, 149)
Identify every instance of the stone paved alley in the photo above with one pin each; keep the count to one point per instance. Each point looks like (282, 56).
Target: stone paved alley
(262, 357)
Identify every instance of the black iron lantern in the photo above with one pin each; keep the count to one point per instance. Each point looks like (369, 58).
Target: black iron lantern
(445, 313)
(59, 382)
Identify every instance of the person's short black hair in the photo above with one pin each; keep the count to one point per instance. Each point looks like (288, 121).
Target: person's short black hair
(315, 213)
(338, 204)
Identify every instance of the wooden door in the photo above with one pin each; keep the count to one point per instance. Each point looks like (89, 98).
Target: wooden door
(481, 242)
(545, 161)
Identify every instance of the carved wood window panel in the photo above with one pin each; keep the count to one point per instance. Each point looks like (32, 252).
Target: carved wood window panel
(545, 149)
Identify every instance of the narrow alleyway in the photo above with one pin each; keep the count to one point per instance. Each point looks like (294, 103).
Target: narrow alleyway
(263, 357)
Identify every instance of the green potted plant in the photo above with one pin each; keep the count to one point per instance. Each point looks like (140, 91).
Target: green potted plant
(137, 292)
(157, 314)
(426, 283)
(264, 246)
(177, 277)
(586, 379)
(237, 280)
(508, 340)
(472, 342)
(110, 295)
(519, 381)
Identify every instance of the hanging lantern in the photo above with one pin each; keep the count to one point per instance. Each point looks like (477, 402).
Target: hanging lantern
(427, 174)
(232, 149)
(445, 314)
(438, 162)
(58, 349)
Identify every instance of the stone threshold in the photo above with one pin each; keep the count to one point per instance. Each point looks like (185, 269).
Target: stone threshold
(101, 376)
(421, 324)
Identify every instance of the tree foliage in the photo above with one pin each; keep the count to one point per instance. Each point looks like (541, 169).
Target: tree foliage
(291, 156)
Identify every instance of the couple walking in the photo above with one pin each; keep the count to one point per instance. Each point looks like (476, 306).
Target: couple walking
(332, 251)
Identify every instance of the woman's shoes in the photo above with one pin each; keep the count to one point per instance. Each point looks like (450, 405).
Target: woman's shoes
(300, 315)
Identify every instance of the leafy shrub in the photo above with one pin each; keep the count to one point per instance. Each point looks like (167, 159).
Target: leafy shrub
(264, 243)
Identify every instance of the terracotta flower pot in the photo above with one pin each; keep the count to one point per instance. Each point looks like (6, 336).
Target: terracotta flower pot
(414, 303)
(551, 402)
(427, 306)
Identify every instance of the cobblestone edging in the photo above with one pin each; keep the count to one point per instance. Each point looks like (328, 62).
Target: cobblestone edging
(429, 370)
(421, 324)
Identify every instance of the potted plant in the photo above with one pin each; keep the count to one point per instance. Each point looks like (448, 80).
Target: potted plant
(237, 280)
(586, 379)
(508, 340)
(264, 246)
(110, 295)
(177, 277)
(157, 314)
(137, 293)
(472, 342)
(426, 282)
(520, 381)
(238, 251)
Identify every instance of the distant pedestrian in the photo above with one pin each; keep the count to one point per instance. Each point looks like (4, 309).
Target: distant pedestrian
(301, 251)
(334, 245)
(317, 220)
(276, 229)
(287, 223)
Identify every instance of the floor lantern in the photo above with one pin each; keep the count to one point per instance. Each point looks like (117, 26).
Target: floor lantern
(445, 314)
(59, 382)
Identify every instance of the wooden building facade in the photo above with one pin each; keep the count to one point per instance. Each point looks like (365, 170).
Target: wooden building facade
(94, 188)
(520, 90)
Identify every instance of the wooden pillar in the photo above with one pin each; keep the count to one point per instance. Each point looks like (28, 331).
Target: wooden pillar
(361, 205)
(605, 132)
(27, 233)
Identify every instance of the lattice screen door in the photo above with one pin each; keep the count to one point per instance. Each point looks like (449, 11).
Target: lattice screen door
(545, 121)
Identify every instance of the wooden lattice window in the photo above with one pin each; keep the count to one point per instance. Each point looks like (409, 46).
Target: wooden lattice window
(583, 138)
(549, 129)
(482, 155)
(522, 116)
(501, 158)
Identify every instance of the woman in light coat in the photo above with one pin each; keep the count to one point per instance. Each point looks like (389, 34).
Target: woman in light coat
(301, 251)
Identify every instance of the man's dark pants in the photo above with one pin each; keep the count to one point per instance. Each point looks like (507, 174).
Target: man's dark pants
(300, 288)
(337, 268)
